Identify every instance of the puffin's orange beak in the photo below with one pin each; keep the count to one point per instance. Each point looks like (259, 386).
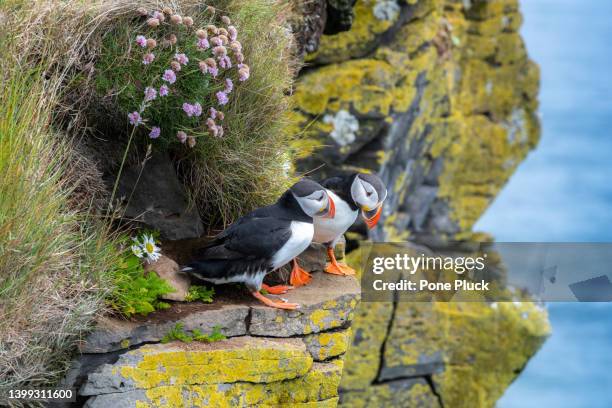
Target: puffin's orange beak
(372, 221)
(331, 208)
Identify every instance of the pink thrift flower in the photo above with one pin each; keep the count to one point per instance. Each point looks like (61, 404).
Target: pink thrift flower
(155, 132)
(197, 109)
(236, 46)
(220, 51)
(169, 76)
(135, 118)
(225, 62)
(214, 131)
(233, 32)
(141, 41)
(219, 131)
(150, 94)
(181, 58)
(243, 73)
(158, 15)
(239, 58)
(188, 109)
(191, 142)
(220, 115)
(181, 136)
(229, 85)
(214, 71)
(148, 58)
(222, 98)
(212, 112)
(203, 44)
(175, 66)
(203, 67)
(226, 20)
(163, 90)
(216, 41)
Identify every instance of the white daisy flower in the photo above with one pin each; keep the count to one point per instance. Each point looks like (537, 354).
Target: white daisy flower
(151, 250)
(137, 250)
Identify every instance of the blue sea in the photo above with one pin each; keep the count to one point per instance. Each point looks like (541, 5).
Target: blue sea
(563, 192)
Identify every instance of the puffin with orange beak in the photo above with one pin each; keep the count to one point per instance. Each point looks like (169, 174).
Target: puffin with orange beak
(263, 241)
(351, 194)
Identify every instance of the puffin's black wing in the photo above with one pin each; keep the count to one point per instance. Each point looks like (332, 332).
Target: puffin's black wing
(247, 245)
(259, 237)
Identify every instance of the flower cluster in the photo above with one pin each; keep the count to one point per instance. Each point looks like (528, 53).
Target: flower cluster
(215, 50)
(145, 247)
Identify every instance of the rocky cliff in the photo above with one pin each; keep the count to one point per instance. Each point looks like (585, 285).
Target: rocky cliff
(439, 98)
(269, 357)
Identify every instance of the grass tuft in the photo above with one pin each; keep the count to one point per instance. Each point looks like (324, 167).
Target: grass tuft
(58, 255)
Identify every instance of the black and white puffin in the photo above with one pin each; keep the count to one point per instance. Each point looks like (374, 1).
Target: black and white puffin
(351, 193)
(264, 240)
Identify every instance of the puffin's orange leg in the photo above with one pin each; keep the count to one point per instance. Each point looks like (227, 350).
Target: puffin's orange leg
(272, 303)
(276, 290)
(299, 277)
(336, 268)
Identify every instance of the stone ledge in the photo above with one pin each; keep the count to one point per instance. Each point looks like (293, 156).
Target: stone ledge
(327, 303)
(114, 334)
(245, 371)
(249, 359)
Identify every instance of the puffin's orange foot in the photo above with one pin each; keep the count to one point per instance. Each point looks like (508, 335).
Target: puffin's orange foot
(276, 290)
(299, 277)
(272, 303)
(338, 268)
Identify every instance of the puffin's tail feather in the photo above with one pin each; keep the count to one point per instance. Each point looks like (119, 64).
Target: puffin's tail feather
(212, 269)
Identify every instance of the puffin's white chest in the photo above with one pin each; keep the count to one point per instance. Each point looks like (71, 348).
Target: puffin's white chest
(330, 229)
(301, 237)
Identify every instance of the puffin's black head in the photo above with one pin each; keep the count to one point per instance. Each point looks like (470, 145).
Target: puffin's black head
(369, 193)
(313, 199)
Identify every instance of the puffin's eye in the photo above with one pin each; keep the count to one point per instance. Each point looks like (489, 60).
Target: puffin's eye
(369, 193)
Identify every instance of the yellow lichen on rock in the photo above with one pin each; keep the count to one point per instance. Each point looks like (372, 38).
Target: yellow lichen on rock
(323, 346)
(475, 349)
(356, 42)
(253, 360)
(319, 387)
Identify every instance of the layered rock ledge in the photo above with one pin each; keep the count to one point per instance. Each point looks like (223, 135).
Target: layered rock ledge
(270, 357)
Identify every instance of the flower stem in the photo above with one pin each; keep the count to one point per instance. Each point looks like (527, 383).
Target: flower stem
(127, 148)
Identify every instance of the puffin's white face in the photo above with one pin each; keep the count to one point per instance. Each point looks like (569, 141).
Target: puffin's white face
(317, 204)
(365, 195)
(369, 193)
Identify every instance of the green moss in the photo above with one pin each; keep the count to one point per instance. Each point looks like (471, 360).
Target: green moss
(201, 293)
(178, 333)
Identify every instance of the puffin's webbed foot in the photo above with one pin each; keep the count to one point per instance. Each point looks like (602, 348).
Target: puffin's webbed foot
(276, 290)
(272, 303)
(337, 268)
(299, 277)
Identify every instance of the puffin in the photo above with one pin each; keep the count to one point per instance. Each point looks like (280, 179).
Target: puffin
(263, 241)
(350, 193)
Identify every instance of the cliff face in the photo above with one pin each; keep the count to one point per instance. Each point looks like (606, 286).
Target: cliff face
(439, 98)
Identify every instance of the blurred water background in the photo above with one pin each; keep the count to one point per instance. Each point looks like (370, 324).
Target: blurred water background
(563, 192)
